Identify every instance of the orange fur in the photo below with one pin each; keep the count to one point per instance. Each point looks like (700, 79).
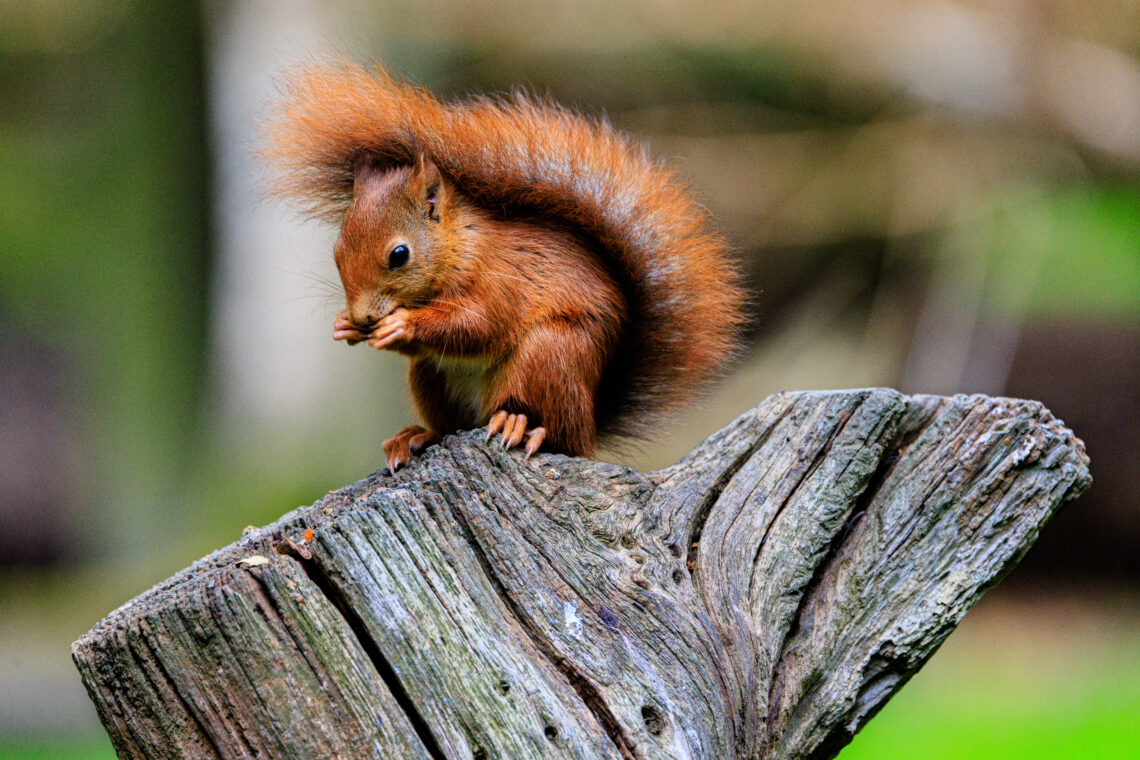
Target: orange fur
(577, 273)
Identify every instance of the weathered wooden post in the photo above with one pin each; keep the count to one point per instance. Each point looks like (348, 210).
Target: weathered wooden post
(761, 598)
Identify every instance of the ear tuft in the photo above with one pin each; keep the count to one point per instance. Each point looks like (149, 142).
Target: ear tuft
(431, 180)
(363, 167)
(426, 169)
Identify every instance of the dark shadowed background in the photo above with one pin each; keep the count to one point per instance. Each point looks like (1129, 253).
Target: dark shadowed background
(936, 196)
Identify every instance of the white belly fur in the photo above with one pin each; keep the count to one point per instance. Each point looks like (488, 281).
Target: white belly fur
(465, 380)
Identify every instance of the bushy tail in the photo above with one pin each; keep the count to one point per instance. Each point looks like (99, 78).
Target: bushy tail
(519, 151)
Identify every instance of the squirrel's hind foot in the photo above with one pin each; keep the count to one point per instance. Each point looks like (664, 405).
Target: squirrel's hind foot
(514, 432)
(398, 449)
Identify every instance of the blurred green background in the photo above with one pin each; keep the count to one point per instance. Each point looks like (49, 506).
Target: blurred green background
(936, 196)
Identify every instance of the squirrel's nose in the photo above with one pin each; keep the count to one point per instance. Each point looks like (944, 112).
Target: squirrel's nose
(366, 312)
(362, 319)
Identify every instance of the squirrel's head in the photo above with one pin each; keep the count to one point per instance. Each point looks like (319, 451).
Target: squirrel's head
(393, 239)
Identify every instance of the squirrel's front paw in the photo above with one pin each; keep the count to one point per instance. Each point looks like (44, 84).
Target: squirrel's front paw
(393, 331)
(345, 329)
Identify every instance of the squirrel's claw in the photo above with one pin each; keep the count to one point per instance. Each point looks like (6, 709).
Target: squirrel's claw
(514, 432)
(398, 449)
(496, 424)
(534, 438)
(397, 459)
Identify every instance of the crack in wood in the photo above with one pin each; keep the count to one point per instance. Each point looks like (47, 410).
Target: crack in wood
(819, 458)
(225, 595)
(884, 465)
(893, 452)
(384, 669)
(705, 507)
(586, 691)
(301, 645)
(190, 711)
(225, 712)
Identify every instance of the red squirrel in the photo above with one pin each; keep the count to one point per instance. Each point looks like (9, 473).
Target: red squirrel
(546, 278)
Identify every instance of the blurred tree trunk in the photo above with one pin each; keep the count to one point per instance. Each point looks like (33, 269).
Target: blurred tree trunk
(104, 228)
(761, 598)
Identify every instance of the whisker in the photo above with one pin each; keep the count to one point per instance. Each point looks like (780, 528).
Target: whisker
(322, 299)
(312, 276)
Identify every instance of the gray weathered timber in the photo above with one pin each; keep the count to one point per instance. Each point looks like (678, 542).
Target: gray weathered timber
(761, 598)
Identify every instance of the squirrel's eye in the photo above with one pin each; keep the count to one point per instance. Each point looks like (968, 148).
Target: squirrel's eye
(398, 257)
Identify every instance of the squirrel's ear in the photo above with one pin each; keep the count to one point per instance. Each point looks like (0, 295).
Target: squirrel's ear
(435, 189)
(362, 169)
(425, 167)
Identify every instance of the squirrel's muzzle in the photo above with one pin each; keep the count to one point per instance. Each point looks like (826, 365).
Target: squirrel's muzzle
(366, 311)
